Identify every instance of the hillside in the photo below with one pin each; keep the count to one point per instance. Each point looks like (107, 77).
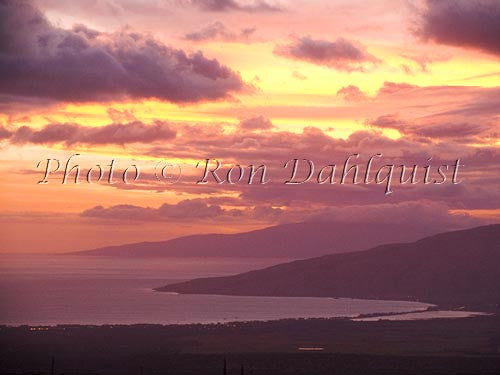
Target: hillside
(300, 240)
(459, 268)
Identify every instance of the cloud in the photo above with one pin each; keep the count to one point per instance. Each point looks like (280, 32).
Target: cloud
(415, 213)
(388, 122)
(70, 134)
(464, 114)
(418, 144)
(450, 130)
(189, 209)
(217, 31)
(4, 133)
(441, 122)
(233, 5)
(197, 142)
(277, 147)
(299, 75)
(462, 131)
(420, 213)
(341, 54)
(125, 115)
(256, 123)
(462, 23)
(423, 61)
(485, 104)
(389, 88)
(40, 60)
(352, 93)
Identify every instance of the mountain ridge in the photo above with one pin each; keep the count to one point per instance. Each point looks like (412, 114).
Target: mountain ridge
(293, 241)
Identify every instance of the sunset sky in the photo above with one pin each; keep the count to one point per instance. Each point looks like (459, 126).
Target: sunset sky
(248, 82)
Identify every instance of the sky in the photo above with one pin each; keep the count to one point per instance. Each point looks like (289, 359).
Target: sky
(242, 82)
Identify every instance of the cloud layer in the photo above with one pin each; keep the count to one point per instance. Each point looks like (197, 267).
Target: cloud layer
(70, 134)
(185, 210)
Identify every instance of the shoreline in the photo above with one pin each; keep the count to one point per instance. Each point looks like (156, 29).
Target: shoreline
(374, 317)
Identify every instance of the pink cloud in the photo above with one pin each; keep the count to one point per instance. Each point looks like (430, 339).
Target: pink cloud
(256, 123)
(341, 54)
(235, 5)
(352, 93)
(70, 134)
(219, 32)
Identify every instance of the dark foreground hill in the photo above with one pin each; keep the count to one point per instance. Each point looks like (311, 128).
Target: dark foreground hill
(432, 347)
(300, 240)
(458, 268)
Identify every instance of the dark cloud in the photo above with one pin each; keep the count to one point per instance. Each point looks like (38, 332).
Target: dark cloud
(41, 60)
(255, 123)
(16, 105)
(341, 54)
(233, 5)
(70, 134)
(217, 31)
(352, 93)
(463, 23)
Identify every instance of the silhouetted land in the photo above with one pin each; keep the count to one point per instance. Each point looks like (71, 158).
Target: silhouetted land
(441, 346)
(292, 241)
(459, 268)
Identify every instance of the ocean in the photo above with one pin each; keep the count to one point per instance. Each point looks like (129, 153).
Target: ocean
(64, 289)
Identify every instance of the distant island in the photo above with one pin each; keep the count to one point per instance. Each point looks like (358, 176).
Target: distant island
(292, 241)
(460, 268)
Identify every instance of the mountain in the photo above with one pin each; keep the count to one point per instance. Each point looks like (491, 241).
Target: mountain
(457, 268)
(293, 241)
